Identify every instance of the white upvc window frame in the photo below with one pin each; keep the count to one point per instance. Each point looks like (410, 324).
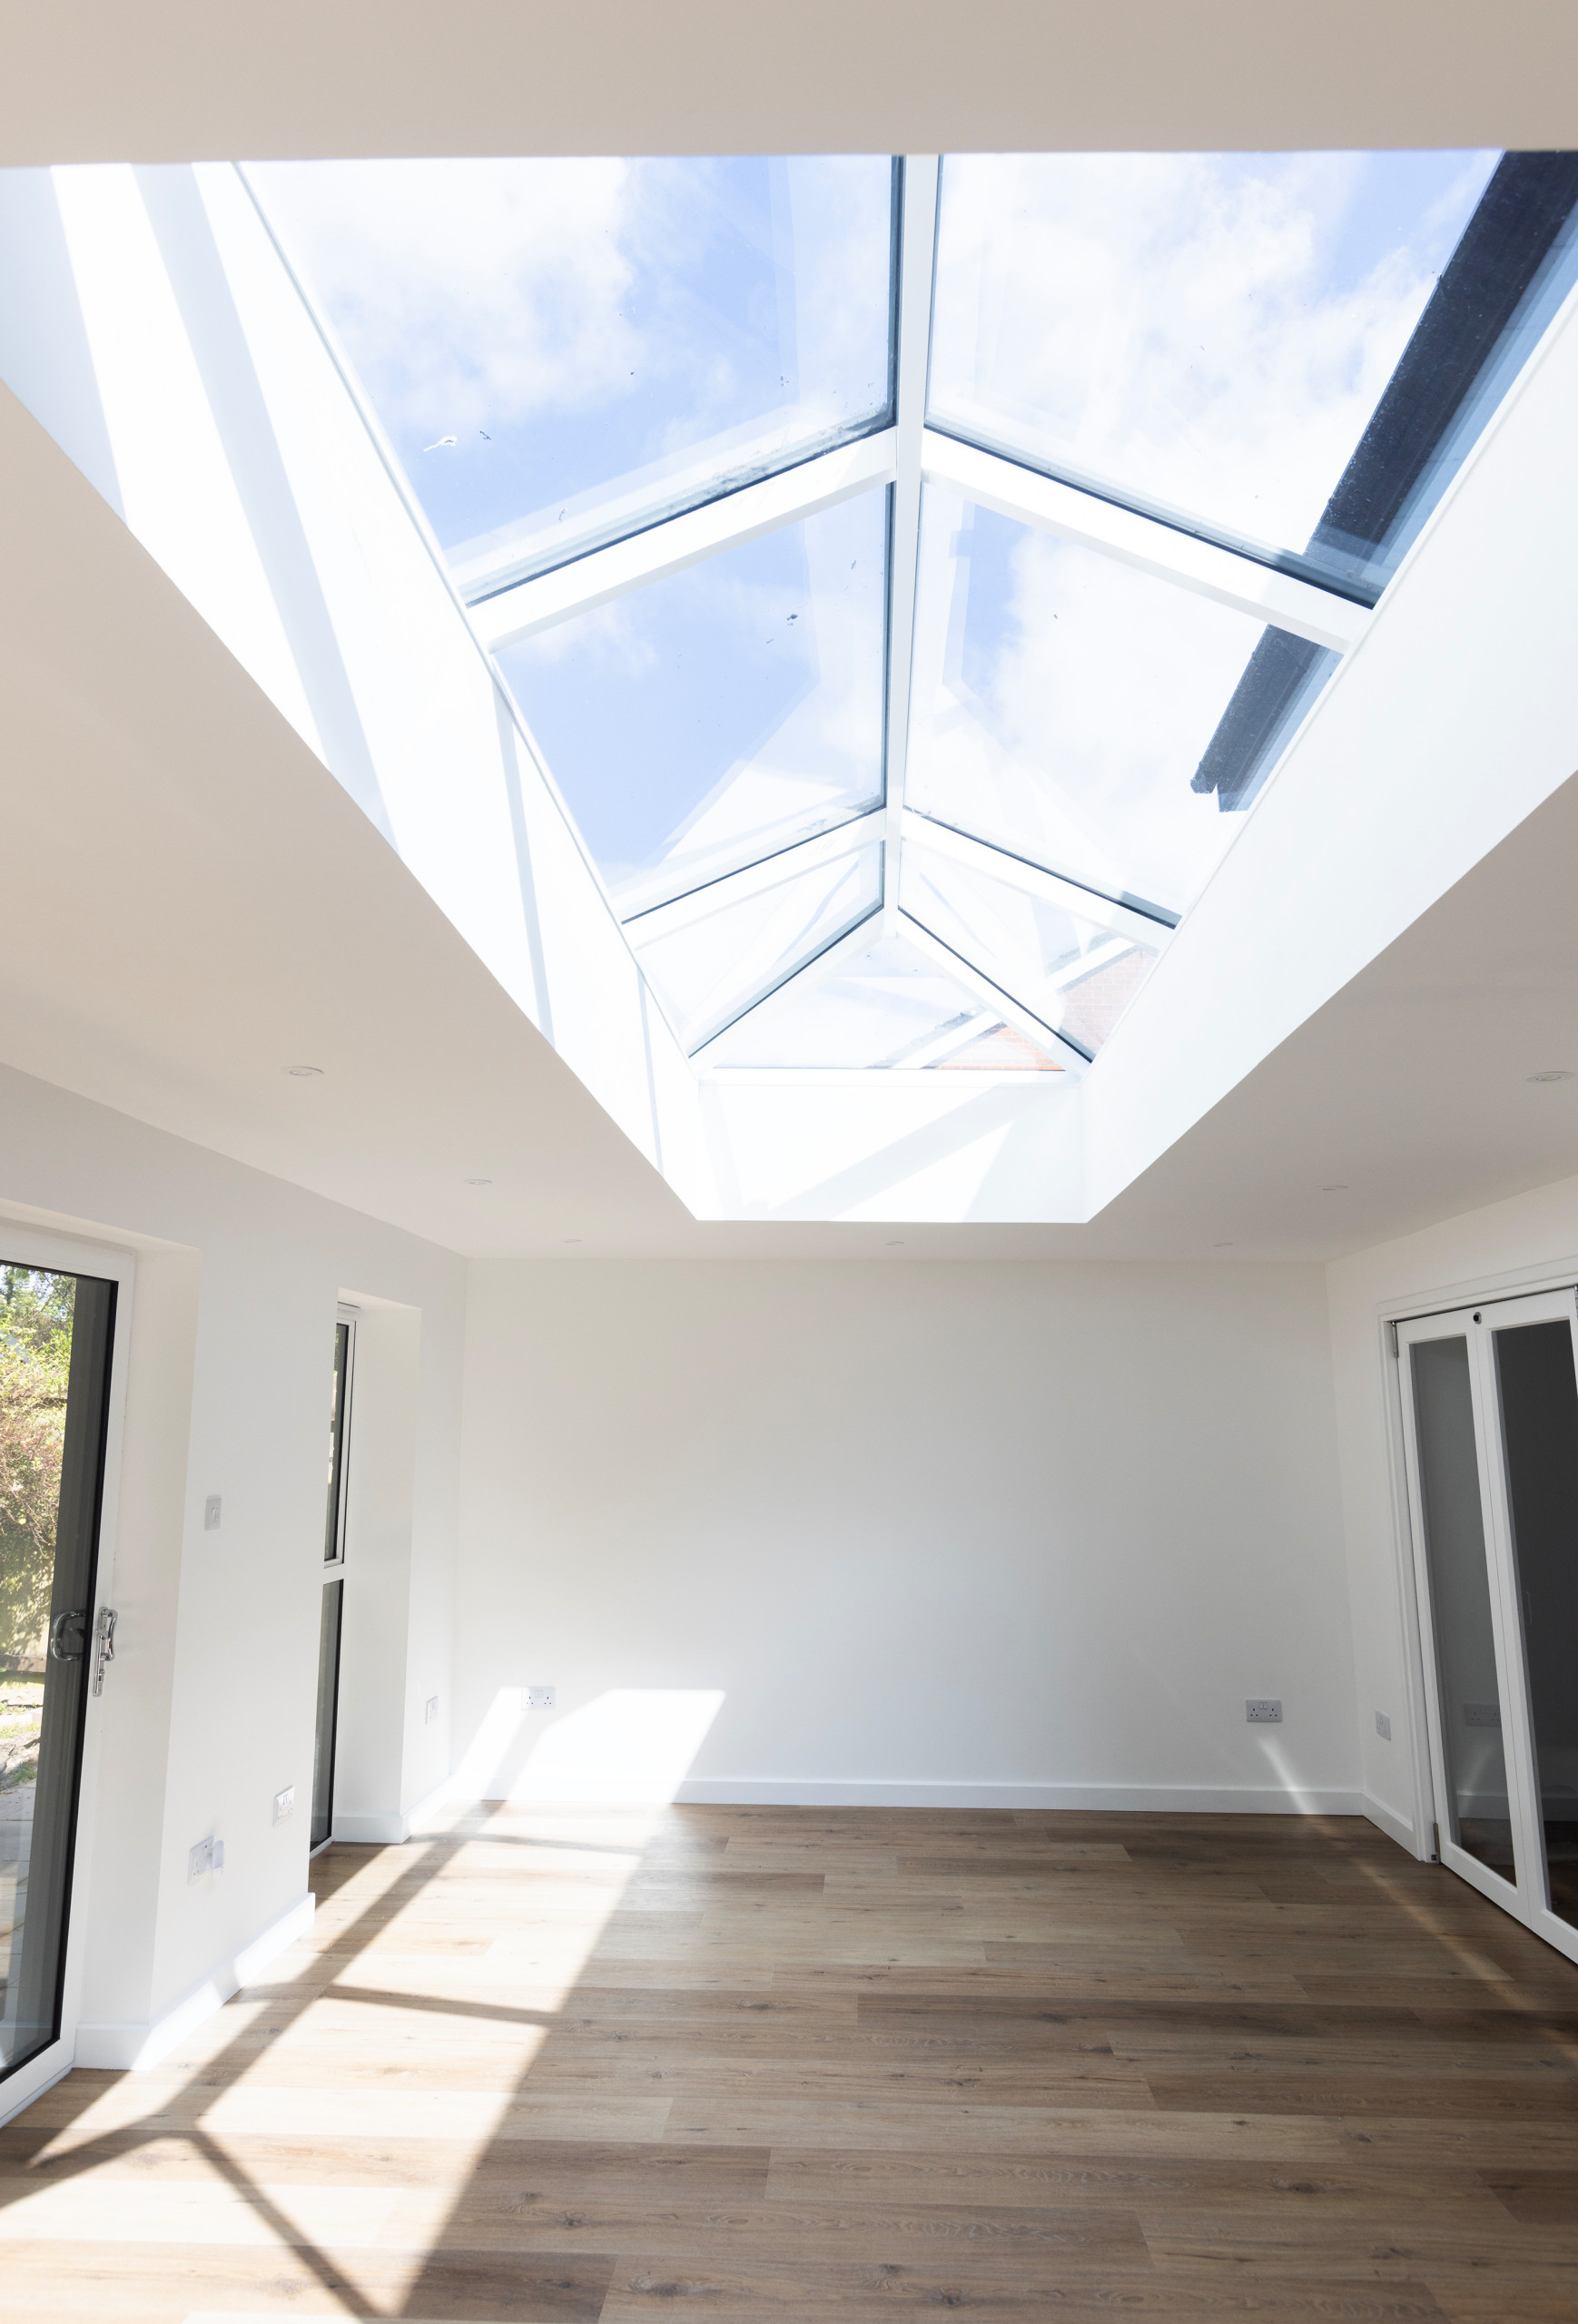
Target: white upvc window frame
(901, 459)
(24, 1244)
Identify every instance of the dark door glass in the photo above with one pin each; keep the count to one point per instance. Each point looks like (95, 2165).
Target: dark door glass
(56, 1335)
(328, 1713)
(1539, 1402)
(1478, 1814)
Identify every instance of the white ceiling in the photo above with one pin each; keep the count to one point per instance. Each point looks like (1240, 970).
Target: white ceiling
(193, 904)
(183, 79)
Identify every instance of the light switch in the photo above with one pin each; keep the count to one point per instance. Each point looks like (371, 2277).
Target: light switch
(212, 1509)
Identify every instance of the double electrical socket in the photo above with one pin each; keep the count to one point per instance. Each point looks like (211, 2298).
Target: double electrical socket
(1263, 1710)
(207, 1857)
(284, 1803)
(539, 1697)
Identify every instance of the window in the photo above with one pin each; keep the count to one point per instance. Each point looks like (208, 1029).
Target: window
(910, 574)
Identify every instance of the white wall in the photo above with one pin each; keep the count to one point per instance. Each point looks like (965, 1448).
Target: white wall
(992, 1533)
(1503, 1247)
(208, 1710)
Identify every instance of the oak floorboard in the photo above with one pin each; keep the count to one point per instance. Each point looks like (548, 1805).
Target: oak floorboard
(581, 2067)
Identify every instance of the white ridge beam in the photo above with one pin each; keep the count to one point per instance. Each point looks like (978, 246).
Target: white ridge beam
(838, 955)
(644, 927)
(1318, 615)
(918, 232)
(984, 987)
(668, 547)
(979, 855)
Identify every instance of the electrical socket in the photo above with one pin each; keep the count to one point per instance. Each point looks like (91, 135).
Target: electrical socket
(1263, 1710)
(200, 1860)
(539, 1698)
(1482, 1714)
(1382, 1727)
(284, 1803)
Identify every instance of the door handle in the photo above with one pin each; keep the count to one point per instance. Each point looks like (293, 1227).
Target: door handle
(103, 1645)
(57, 1632)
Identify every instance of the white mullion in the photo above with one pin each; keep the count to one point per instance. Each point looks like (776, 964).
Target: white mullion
(837, 955)
(918, 238)
(1031, 880)
(984, 987)
(678, 541)
(754, 879)
(1280, 598)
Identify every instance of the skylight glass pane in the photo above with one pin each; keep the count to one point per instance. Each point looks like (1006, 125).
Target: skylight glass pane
(1063, 703)
(1211, 334)
(889, 1008)
(723, 712)
(1074, 975)
(706, 971)
(564, 350)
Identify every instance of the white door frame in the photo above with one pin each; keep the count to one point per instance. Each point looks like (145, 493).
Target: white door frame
(1476, 1323)
(28, 1245)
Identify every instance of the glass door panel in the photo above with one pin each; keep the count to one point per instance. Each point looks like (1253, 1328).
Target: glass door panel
(1474, 1801)
(1538, 1395)
(328, 1714)
(56, 1332)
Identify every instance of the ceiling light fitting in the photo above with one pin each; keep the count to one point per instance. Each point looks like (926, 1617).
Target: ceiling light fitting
(305, 1072)
(1552, 1073)
(478, 1182)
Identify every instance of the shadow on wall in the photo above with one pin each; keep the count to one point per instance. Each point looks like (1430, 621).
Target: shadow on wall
(634, 1745)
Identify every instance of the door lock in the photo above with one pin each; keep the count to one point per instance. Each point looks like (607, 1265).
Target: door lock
(103, 1645)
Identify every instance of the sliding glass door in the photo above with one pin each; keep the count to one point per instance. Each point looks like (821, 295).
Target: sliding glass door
(56, 1335)
(1490, 1422)
(331, 1611)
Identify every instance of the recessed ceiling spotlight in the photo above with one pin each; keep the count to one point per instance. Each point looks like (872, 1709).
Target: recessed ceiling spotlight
(304, 1072)
(478, 1182)
(1338, 1186)
(897, 1244)
(1221, 1247)
(1552, 1073)
(572, 1239)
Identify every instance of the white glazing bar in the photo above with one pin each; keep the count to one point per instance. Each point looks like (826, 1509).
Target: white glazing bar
(1141, 541)
(984, 987)
(670, 547)
(754, 878)
(917, 244)
(1029, 880)
(839, 953)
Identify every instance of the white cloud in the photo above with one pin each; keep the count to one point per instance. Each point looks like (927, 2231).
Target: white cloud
(1211, 330)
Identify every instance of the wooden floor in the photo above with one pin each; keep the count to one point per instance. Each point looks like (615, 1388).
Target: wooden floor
(746, 2063)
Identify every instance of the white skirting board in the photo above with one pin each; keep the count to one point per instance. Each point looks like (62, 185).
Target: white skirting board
(1396, 1828)
(388, 1827)
(771, 1791)
(131, 2047)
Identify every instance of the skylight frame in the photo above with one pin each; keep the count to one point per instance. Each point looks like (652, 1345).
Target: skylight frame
(898, 451)
(901, 459)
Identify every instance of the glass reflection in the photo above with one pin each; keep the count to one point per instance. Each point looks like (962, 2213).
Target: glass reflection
(716, 715)
(1076, 976)
(889, 1008)
(563, 349)
(1292, 348)
(709, 970)
(1063, 705)
(1478, 1808)
(1539, 1407)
